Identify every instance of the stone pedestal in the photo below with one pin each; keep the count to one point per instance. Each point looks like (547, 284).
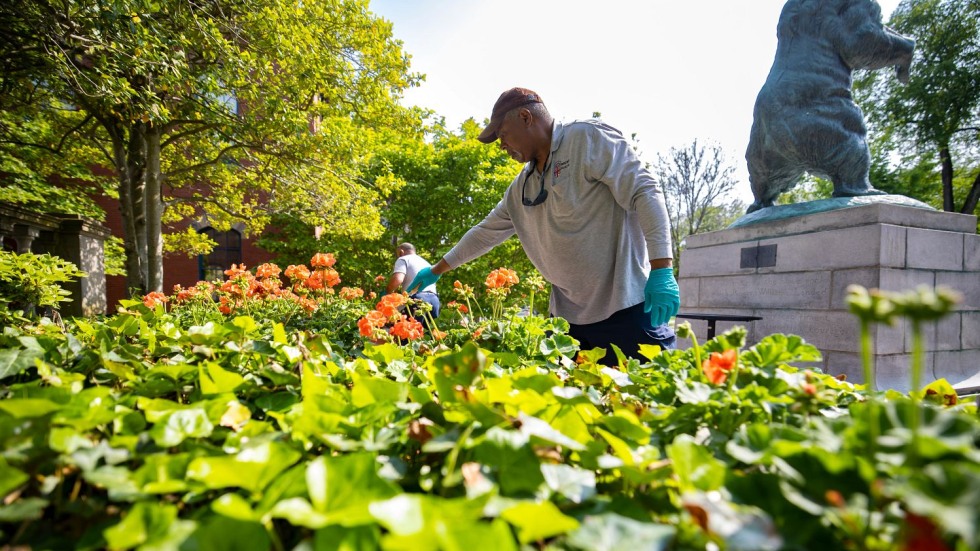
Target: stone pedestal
(794, 273)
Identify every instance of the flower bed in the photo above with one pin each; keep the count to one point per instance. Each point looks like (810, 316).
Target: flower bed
(267, 414)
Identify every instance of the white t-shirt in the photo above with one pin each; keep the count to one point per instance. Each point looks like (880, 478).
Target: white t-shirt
(410, 265)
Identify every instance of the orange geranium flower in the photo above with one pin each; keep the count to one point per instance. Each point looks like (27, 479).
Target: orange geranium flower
(717, 366)
(323, 260)
(351, 293)
(438, 335)
(235, 271)
(184, 295)
(315, 281)
(407, 328)
(152, 299)
(297, 273)
(330, 277)
(502, 278)
(267, 270)
(390, 303)
(371, 321)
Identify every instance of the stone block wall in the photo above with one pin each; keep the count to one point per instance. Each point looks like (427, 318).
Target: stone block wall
(817, 256)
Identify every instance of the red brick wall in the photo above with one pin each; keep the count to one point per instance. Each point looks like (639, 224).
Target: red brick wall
(177, 268)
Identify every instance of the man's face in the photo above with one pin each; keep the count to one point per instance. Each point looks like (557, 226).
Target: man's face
(514, 136)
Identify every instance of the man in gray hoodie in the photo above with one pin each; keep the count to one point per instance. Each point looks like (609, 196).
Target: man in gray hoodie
(590, 218)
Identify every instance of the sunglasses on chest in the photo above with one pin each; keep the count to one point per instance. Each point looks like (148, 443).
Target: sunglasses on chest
(542, 195)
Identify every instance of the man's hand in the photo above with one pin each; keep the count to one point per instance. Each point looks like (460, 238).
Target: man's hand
(424, 278)
(662, 298)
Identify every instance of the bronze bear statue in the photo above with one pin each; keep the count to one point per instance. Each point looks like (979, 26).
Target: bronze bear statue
(805, 119)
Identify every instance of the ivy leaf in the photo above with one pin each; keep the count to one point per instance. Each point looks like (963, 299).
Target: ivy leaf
(218, 533)
(252, 468)
(612, 532)
(10, 477)
(149, 524)
(215, 379)
(14, 361)
(538, 521)
(28, 407)
(30, 508)
(344, 486)
(574, 483)
(176, 426)
(370, 390)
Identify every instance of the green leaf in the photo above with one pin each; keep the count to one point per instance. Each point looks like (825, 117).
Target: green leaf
(29, 407)
(218, 533)
(14, 361)
(149, 525)
(234, 506)
(612, 532)
(342, 487)
(217, 380)
(538, 521)
(342, 538)
(29, 508)
(176, 426)
(575, 484)
(694, 465)
(252, 468)
(368, 390)
(10, 477)
(539, 429)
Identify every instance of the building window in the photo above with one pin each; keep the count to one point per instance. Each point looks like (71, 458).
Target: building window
(228, 251)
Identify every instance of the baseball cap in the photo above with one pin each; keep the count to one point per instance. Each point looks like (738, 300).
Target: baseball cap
(511, 99)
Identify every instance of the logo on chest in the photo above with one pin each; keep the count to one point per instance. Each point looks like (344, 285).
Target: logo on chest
(559, 166)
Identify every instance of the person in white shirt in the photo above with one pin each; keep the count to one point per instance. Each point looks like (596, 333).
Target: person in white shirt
(407, 266)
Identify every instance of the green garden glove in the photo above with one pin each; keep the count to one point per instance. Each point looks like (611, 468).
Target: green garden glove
(423, 279)
(661, 297)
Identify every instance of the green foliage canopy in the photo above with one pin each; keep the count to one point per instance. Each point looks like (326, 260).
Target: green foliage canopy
(936, 116)
(231, 109)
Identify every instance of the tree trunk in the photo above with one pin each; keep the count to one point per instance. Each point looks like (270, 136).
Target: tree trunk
(947, 177)
(137, 190)
(154, 211)
(129, 168)
(970, 204)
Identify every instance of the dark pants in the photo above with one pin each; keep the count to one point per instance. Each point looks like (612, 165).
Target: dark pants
(432, 300)
(627, 329)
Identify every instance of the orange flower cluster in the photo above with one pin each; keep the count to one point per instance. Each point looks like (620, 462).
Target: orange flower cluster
(351, 293)
(387, 313)
(242, 286)
(453, 305)
(407, 329)
(151, 300)
(717, 367)
(203, 289)
(323, 278)
(267, 271)
(502, 278)
(323, 260)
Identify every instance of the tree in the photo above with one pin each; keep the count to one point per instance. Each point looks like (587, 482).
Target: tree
(695, 180)
(451, 182)
(937, 114)
(229, 109)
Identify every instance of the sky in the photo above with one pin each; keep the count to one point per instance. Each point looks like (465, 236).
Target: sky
(668, 71)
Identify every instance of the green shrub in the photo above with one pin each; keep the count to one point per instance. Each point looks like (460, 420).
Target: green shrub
(30, 281)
